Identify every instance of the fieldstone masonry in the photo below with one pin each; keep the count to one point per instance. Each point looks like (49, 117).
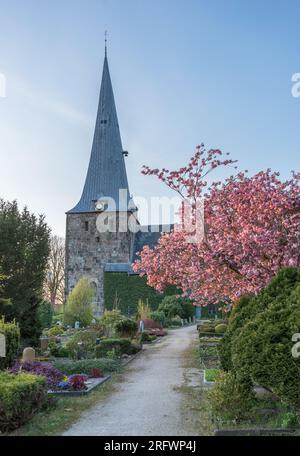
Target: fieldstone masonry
(87, 252)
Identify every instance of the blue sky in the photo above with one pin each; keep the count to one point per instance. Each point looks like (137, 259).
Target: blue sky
(183, 72)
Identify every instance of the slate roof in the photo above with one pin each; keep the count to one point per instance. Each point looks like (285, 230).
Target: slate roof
(106, 172)
(118, 267)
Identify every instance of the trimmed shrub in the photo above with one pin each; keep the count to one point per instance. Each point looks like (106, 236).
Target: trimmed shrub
(119, 346)
(221, 328)
(85, 366)
(126, 328)
(11, 332)
(262, 352)
(257, 346)
(160, 318)
(229, 399)
(46, 370)
(21, 396)
(86, 349)
(245, 309)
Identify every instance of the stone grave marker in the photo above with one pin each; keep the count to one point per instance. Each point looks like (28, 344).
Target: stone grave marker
(2, 346)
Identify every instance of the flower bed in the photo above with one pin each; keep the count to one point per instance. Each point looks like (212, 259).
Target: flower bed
(52, 375)
(90, 385)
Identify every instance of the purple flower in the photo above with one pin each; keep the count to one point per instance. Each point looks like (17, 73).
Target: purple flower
(52, 375)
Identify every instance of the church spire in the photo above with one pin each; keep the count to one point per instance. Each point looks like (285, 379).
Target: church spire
(106, 172)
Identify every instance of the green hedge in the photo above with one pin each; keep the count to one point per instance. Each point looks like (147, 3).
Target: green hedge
(258, 345)
(11, 332)
(21, 396)
(85, 366)
(129, 289)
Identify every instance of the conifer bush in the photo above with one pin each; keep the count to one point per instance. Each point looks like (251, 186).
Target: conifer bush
(126, 328)
(21, 396)
(11, 332)
(257, 348)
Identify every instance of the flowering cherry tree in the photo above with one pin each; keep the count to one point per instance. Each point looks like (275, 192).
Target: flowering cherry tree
(252, 229)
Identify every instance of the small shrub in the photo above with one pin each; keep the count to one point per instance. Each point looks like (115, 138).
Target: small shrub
(85, 366)
(144, 338)
(57, 350)
(221, 328)
(126, 328)
(109, 320)
(11, 332)
(230, 400)
(160, 318)
(55, 331)
(211, 374)
(289, 419)
(120, 346)
(21, 396)
(86, 350)
(52, 375)
(176, 322)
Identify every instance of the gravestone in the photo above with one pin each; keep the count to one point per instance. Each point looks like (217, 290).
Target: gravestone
(28, 355)
(2, 346)
(77, 324)
(44, 343)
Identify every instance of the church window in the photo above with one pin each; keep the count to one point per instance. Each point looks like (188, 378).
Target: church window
(86, 225)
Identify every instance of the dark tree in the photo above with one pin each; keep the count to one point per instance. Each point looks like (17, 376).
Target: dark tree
(24, 250)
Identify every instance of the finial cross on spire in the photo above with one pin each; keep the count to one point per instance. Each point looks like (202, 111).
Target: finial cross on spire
(105, 39)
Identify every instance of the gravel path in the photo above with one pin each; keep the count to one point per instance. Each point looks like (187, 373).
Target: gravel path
(148, 401)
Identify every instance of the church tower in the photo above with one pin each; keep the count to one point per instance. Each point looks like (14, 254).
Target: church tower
(96, 228)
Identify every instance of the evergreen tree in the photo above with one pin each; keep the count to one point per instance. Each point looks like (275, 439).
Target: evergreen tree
(24, 249)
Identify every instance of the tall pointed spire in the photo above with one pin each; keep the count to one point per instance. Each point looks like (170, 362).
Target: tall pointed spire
(106, 172)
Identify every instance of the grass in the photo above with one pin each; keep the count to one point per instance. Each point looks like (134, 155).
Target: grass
(211, 374)
(195, 405)
(66, 411)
